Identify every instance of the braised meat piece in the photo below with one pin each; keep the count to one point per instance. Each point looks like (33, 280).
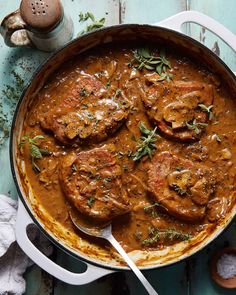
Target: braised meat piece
(181, 186)
(92, 182)
(89, 114)
(179, 109)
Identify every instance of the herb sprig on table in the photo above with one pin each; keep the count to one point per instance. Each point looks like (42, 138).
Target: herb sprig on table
(96, 24)
(143, 59)
(146, 144)
(9, 98)
(35, 151)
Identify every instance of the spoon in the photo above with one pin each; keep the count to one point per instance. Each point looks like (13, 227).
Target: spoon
(106, 233)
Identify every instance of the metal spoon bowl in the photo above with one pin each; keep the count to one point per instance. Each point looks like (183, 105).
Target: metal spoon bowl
(106, 233)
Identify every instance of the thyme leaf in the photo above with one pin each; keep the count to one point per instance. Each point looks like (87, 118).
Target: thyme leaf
(86, 16)
(217, 137)
(146, 144)
(178, 189)
(143, 59)
(9, 97)
(207, 109)
(156, 204)
(35, 151)
(194, 126)
(168, 234)
(96, 24)
(90, 201)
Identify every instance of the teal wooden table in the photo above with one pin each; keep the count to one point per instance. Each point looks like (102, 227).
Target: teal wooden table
(190, 277)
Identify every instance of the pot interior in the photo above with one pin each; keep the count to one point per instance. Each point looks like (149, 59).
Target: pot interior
(70, 242)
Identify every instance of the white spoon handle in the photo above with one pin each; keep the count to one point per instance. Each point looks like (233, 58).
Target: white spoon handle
(132, 265)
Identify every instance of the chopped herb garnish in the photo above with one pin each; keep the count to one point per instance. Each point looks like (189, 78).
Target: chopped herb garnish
(144, 59)
(84, 106)
(117, 93)
(125, 168)
(178, 189)
(35, 152)
(133, 110)
(133, 137)
(146, 144)
(151, 209)
(108, 84)
(169, 234)
(217, 137)
(74, 168)
(194, 126)
(83, 92)
(138, 235)
(129, 154)
(108, 179)
(90, 201)
(120, 154)
(147, 208)
(207, 109)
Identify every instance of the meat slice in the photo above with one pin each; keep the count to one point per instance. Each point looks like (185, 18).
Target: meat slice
(174, 107)
(181, 186)
(92, 182)
(88, 114)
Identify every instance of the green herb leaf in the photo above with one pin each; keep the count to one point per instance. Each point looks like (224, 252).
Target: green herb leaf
(169, 234)
(90, 201)
(207, 109)
(96, 24)
(117, 93)
(217, 137)
(144, 59)
(156, 204)
(35, 151)
(194, 126)
(35, 166)
(146, 144)
(178, 189)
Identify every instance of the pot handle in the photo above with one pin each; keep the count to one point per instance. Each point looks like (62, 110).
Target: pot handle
(92, 272)
(176, 21)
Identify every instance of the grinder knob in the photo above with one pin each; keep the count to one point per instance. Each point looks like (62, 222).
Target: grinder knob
(41, 15)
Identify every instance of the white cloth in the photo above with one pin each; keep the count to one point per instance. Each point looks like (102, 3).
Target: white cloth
(13, 261)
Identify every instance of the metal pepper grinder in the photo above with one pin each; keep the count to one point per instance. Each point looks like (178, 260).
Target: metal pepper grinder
(37, 23)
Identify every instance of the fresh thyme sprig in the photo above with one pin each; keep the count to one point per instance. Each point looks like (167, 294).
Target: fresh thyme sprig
(148, 207)
(144, 59)
(96, 24)
(86, 16)
(194, 126)
(169, 234)
(10, 95)
(146, 144)
(151, 209)
(35, 151)
(207, 109)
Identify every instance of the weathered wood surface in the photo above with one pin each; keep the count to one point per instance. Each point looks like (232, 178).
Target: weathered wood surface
(186, 278)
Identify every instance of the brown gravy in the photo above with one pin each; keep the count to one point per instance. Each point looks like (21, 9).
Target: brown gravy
(148, 225)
